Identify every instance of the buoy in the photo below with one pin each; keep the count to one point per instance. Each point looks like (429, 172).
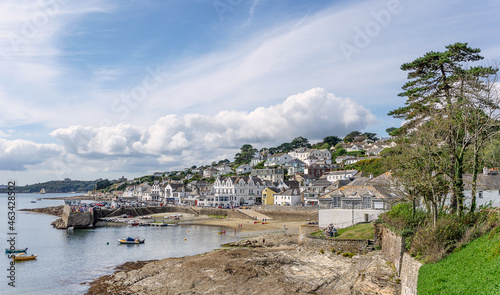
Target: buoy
(188, 231)
(184, 239)
(107, 243)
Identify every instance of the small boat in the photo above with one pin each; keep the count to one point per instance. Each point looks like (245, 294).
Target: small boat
(222, 232)
(8, 251)
(258, 221)
(266, 222)
(42, 191)
(134, 224)
(23, 257)
(38, 199)
(130, 240)
(33, 201)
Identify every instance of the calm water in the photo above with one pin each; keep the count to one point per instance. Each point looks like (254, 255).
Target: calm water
(67, 259)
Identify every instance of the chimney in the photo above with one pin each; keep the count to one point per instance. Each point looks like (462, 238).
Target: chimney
(485, 170)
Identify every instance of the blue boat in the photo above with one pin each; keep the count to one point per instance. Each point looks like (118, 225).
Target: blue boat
(8, 251)
(131, 241)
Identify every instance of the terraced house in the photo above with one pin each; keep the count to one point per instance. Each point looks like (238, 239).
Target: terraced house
(238, 191)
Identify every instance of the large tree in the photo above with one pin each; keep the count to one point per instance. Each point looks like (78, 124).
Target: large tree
(245, 155)
(437, 82)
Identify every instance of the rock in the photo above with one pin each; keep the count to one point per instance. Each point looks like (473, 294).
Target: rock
(257, 270)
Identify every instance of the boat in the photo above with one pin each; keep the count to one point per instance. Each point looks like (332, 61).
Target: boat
(130, 240)
(38, 199)
(33, 201)
(23, 257)
(8, 251)
(42, 191)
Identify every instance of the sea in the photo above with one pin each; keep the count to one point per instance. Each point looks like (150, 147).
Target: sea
(68, 260)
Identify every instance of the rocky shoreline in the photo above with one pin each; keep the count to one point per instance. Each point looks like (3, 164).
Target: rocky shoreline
(269, 264)
(56, 210)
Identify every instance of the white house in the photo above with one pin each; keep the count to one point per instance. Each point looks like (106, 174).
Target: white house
(341, 175)
(242, 169)
(238, 191)
(290, 197)
(277, 160)
(362, 200)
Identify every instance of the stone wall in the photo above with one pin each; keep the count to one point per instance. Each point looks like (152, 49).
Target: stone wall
(409, 275)
(306, 230)
(289, 212)
(393, 247)
(77, 219)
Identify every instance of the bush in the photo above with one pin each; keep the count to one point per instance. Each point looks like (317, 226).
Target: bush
(348, 254)
(403, 219)
(435, 242)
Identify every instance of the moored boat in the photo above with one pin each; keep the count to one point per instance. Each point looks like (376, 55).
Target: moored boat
(130, 240)
(23, 257)
(8, 251)
(42, 191)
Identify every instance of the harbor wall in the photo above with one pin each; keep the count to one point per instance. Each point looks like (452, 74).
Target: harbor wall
(77, 219)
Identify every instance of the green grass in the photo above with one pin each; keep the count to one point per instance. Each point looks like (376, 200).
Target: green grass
(362, 231)
(217, 216)
(475, 269)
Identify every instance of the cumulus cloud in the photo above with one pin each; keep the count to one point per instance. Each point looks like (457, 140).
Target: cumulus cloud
(17, 154)
(199, 138)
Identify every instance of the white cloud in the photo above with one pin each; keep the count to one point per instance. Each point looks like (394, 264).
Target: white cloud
(17, 154)
(200, 138)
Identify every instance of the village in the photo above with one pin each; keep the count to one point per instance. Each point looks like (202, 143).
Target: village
(301, 177)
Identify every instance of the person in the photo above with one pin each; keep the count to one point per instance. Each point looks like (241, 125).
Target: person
(284, 227)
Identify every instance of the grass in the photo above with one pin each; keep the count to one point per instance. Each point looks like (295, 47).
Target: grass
(362, 231)
(217, 216)
(472, 270)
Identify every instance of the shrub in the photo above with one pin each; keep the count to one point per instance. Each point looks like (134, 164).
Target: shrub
(403, 219)
(321, 251)
(348, 254)
(434, 242)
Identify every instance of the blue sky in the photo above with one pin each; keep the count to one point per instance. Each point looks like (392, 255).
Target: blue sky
(109, 88)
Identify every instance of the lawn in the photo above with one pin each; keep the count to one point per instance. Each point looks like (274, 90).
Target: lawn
(474, 269)
(359, 231)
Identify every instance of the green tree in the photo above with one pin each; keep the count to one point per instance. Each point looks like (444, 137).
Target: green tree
(299, 142)
(435, 90)
(332, 140)
(351, 136)
(370, 136)
(392, 131)
(245, 155)
(103, 184)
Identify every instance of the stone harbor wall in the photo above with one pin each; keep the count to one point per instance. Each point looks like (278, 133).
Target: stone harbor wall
(304, 231)
(77, 219)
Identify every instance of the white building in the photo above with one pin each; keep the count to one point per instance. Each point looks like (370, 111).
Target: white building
(290, 197)
(340, 175)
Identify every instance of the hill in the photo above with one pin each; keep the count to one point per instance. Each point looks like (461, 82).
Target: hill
(56, 186)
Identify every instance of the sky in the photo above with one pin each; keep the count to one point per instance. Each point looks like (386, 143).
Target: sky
(104, 89)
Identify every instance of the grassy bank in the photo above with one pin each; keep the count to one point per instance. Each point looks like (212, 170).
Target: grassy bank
(363, 231)
(472, 270)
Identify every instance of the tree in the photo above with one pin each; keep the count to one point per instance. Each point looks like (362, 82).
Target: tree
(332, 140)
(245, 155)
(392, 131)
(435, 90)
(351, 136)
(299, 142)
(370, 136)
(103, 184)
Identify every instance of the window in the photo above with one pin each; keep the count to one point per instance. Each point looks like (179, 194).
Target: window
(367, 202)
(335, 202)
(481, 195)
